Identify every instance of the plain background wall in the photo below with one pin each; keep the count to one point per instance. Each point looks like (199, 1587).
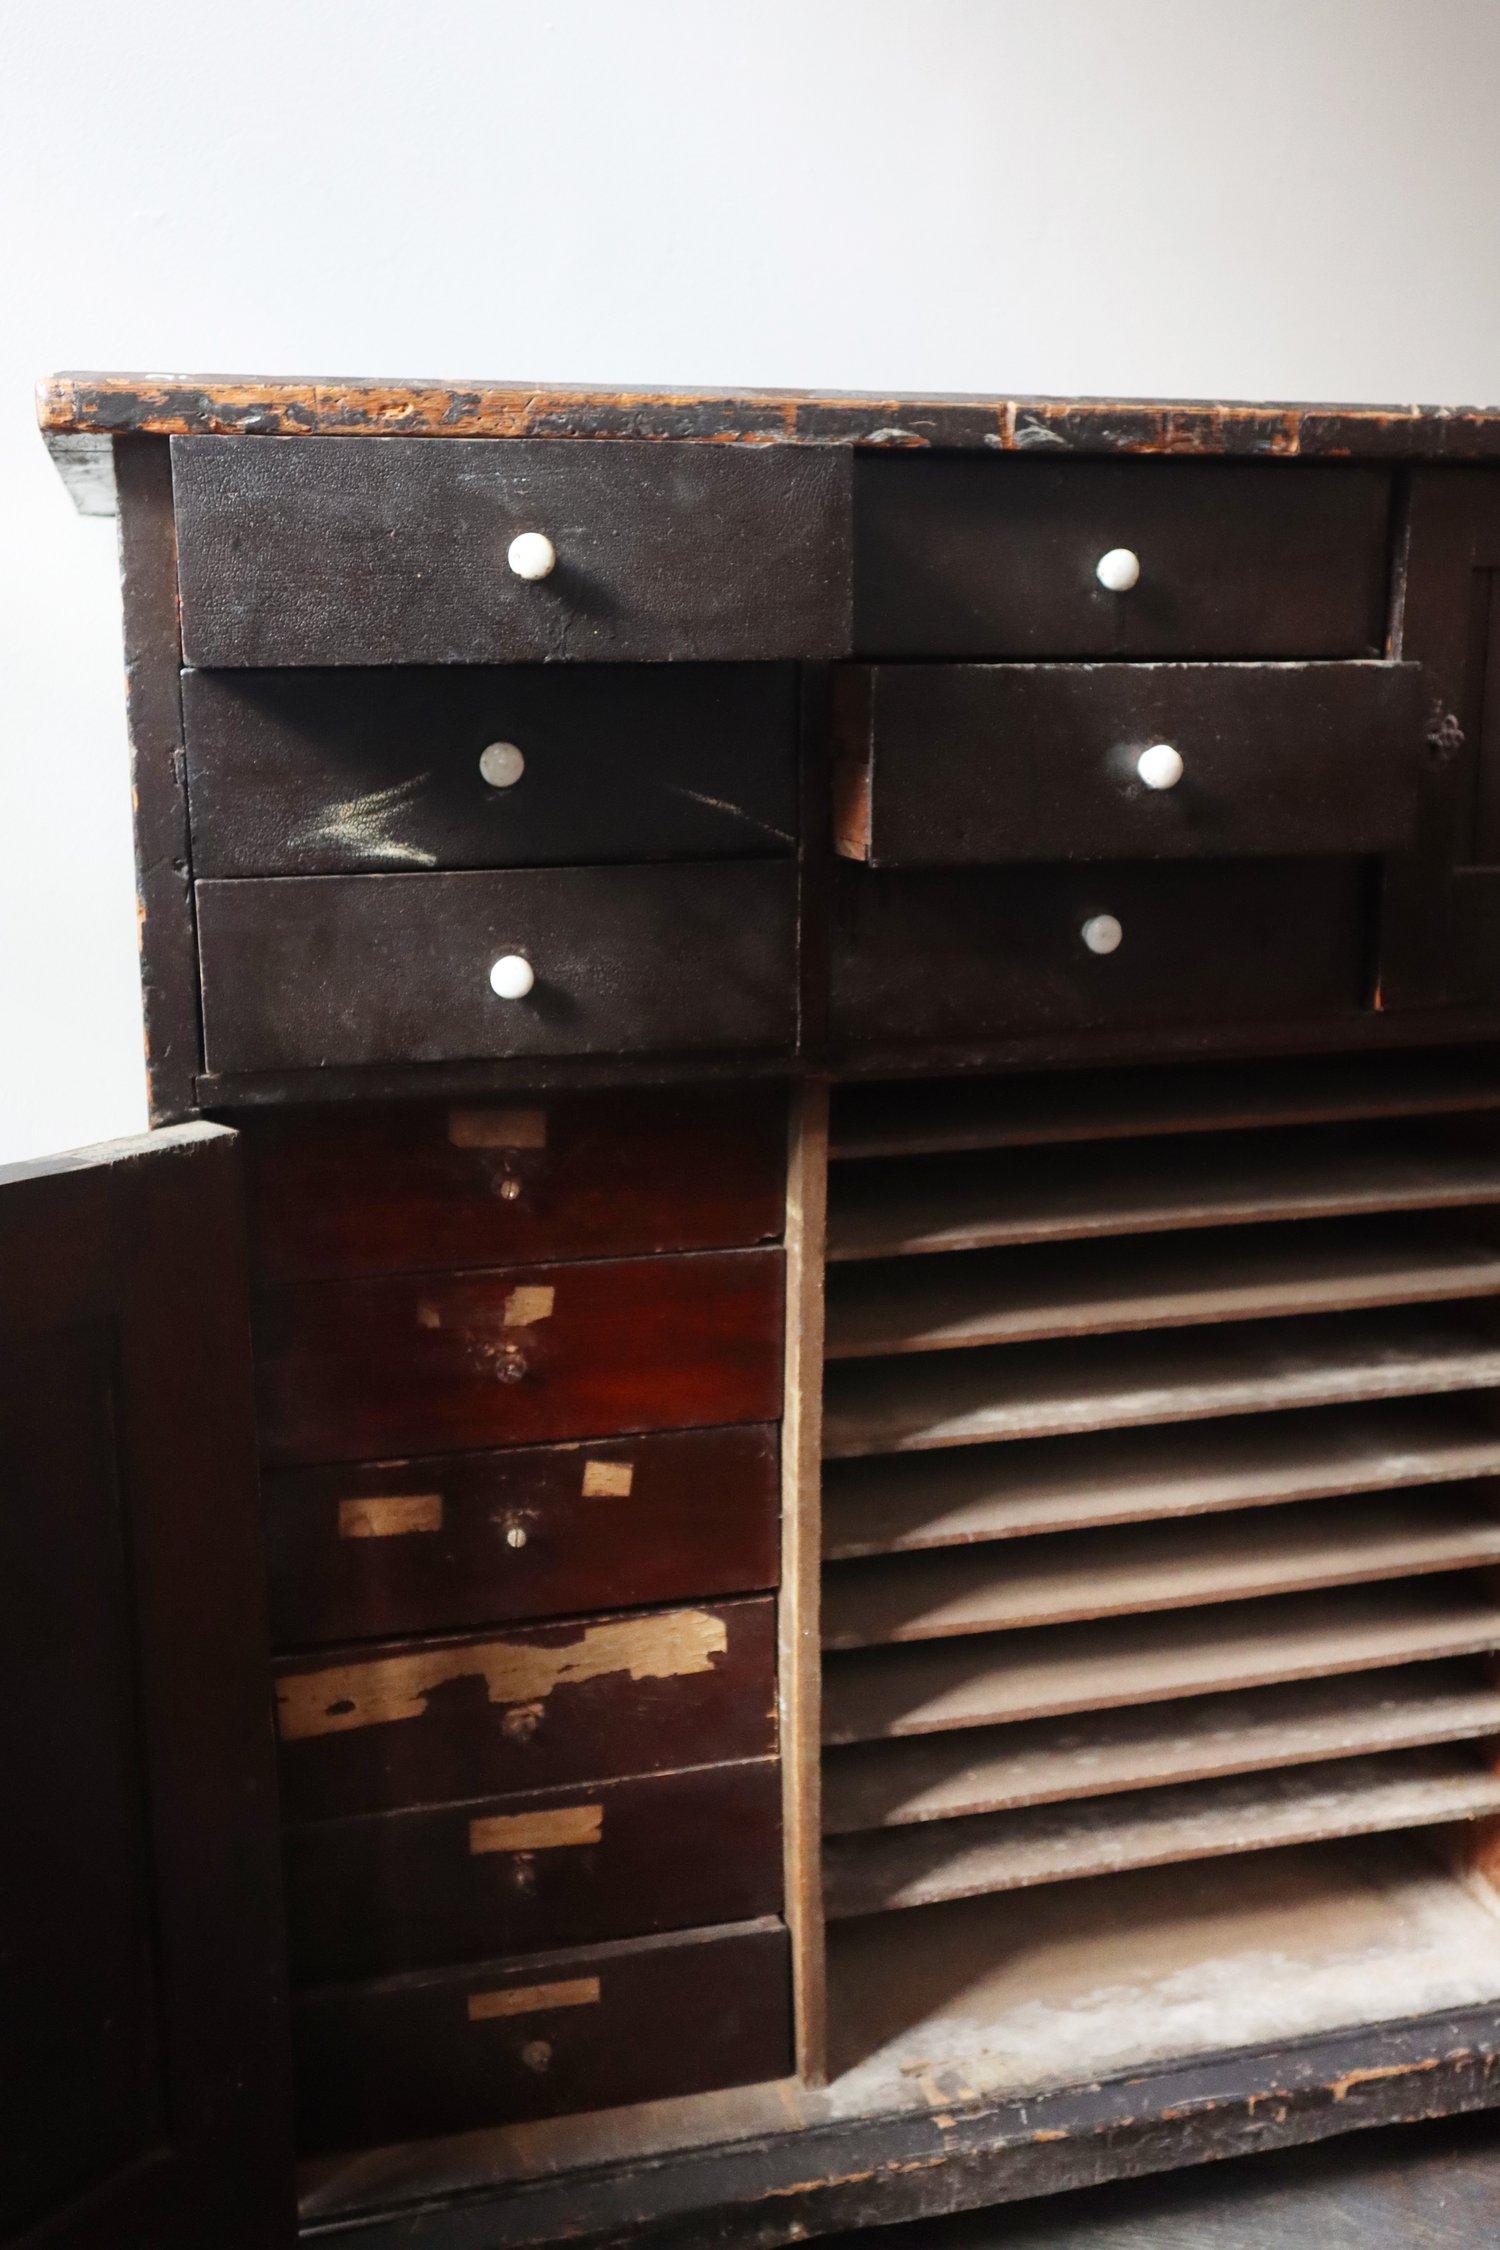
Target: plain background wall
(1234, 198)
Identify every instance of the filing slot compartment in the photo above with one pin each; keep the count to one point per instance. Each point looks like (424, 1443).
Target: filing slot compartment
(1162, 1473)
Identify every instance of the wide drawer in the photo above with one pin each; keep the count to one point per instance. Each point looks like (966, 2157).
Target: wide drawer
(437, 1545)
(428, 1722)
(311, 970)
(957, 956)
(963, 557)
(589, 2028)
(398, 551)
(331, 773)
(405, 1187)
(497, 1875)
(943, 764)
(517, 1355)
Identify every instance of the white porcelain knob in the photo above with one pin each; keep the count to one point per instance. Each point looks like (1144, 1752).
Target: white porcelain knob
(1102, 933)
(531, 554)
(512, 976)
(1159, 766)
(1118, 570)
(501, 764)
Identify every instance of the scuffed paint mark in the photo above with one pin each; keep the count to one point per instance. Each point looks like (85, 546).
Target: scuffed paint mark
(363, 825)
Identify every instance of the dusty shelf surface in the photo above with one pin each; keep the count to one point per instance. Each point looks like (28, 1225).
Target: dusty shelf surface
(996, 1998)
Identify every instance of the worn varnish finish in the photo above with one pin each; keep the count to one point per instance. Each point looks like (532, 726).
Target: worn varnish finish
(357, 1370)
(637, 2020)
(502, 1875)
(424, 1722)
(501, 1303)
(406, 1187)
(383, 1547)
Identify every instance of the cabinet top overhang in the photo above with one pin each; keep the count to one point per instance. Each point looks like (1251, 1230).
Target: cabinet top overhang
(81, 413)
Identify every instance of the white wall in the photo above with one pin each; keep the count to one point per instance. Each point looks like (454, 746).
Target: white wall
(1273, 198)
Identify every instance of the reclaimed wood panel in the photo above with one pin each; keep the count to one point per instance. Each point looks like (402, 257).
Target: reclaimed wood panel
(429, 1363)
(877, 1506)
(375, 1728)
(519, 1874)
(1050, 1761)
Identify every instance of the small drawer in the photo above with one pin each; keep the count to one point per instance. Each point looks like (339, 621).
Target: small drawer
(367, 1729)
(406, 1187)
(963, 557)
(308, 971)
(494, 1875)
(469, 1539)
(518, 1355)
(351, 773)
(294, 551)
(442, 2051)
(953, 764)
(959, 956)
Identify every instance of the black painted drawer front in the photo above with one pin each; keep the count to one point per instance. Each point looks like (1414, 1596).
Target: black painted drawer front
(332, 772)
(349, 969)
(394, 551)
(974, 954)
(958, 557)
(946, 764)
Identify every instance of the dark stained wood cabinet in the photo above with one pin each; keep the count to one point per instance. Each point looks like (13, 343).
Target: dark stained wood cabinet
(808, 1362)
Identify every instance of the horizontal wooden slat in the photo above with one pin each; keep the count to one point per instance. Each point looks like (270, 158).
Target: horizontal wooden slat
(881, 1506)
(930, 1116)
(1153, 1828)
(1048, 1671)
(1079, 1289)
(1112, 1382)
(1140, 1567)
(1048, 1761)
(1066, 1194)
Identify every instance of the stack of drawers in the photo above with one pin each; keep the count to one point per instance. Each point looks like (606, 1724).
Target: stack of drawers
(520, 1386)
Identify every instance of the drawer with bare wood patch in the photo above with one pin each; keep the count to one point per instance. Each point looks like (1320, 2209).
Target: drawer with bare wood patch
(412, 1186)
(428, 1722)
(491, 1875)
(468, 1539)
(537, 2036)
(403, 1364)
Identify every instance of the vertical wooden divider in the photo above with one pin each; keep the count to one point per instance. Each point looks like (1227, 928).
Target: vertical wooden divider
(801, 1564)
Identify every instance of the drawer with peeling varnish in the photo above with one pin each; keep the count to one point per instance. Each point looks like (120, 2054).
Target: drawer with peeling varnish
(516, 1355)
(353, 773)
(411, 1186)
(625, 1858)
(540, 1706)
(586, 2028)
(385, 1547)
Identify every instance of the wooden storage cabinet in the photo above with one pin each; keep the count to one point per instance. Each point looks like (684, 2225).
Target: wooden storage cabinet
(866, 1097)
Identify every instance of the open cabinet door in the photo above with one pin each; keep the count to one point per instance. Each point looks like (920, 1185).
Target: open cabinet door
(145, 2085)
